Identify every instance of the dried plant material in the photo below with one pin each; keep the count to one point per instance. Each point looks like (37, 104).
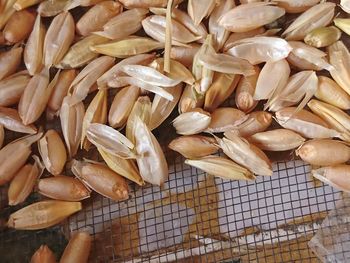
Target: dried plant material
(221, 167)
(319, 15)
(345, 5)
(244, 97)
(124, 24)
(343, 24)
(43, 255)
(75, 3)
(248, 155)
(71, 116)
(7, 10)
(85, 82)
(219, 32)
(222, 87)
(2, 135)
(80, 54)
(125, 167)
(145, 3)
(336, 176)
(323, 36)
(184, 55)
(9, 61)
(122, 105)
(324, 152)
(155, 26)
(58, 39)
(128, 47)
(78, 248)
(330, 92)
(102, 180)
(22, 4)
(23, 183)
(261, 49)
(277, 140)
(339, 57)
(194, 146)
(33, 51)
(42, 214)
(53, 152)
(168, 36)
(60, 90)
(110, 140)
(95, 113)
(36, 96)
(190, 99)
(198, 10)
(305, 123)
(11, 120)
(301, 87)
(12, 87)
(63, 188)
(225, 119)
(250, 16)
(115, 71)
(104, 11)
(257, 121)
(192, 122)
(230, 42)
(269, 84)
(150, 157)
(296, 6)
(52, 7)
(162, 108)
(19, 26)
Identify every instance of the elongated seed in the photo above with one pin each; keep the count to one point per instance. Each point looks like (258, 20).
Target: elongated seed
(11, 120)
(336, 176)
(43, 255)
(78, 249)
(9, 61)
(19, 26)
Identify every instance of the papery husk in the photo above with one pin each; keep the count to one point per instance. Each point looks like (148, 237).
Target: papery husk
(33, 51)
(190, 99)
(261, 49)
(222, 87)
(233, 37)
(142, 109)
(122, 105)
(7, 10)
(42, 214)
(257, 121)
(225, 119)
(277, 140)
(319, 15)
(78, 248)
(248, 155)
(330, 92)
(124, 24)
(125, 167)
(110, 140)
(250, 16)
(305, 123)
(244, 97)
(11, 120)
(19, 26)
(75, 3)
(151, 161)
(339, 58)
(324, 152)
(59, 37)
(52, 7)
(184, 55)
(12, 87)
(127, 47)
(104, 11)
(95, 113)
(296, 6)
(36, 96)
(10, 61)
(337, 176)
(162, 108)
(192, 122)
(221, 167)
(101, 179)
(71, 116)
(85, 81)
(53, 152)
(323, 36)
(194, 146)
(23, 183)
(269, 84)
(43, 255)
(63, 188)
(22, 4)
(345, 5)
(198, 10)
(146, 3)
(80, 54)
(343, 24)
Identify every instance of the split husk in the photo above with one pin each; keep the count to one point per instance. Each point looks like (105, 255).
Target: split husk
(192, 122)
(190, 99)
(10, 119)
(199, 10)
